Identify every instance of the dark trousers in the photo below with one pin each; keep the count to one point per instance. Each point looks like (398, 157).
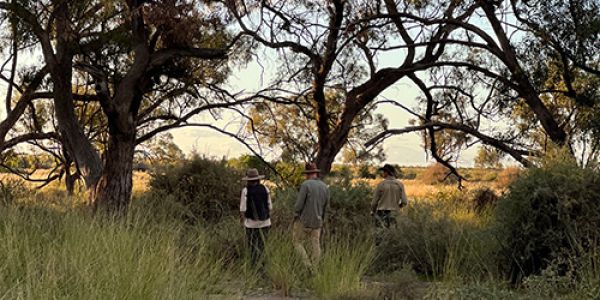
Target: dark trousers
(384, 219)
(256, 241)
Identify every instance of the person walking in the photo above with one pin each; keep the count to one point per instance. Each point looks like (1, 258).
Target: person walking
(389, 197)
(255, 208)
(309, 216)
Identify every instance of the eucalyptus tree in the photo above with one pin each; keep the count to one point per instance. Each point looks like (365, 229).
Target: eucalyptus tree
(336, 47)
(148, 65)
(520, 75)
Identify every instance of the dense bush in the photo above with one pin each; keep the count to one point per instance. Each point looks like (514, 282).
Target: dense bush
(347, 213)
(247, 161)
(549, 217)
(440, 237)
(207, 189)
(483, 199)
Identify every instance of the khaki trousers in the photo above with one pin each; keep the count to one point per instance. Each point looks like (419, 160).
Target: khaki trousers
(300, 235)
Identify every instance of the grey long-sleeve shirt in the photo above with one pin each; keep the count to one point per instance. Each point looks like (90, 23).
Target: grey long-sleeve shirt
(311, 203)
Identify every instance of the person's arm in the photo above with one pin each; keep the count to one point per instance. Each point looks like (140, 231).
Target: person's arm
(243, 206)
(376, 198)
(403, 199)
(300, 201)
(327, 201)
(269, 199)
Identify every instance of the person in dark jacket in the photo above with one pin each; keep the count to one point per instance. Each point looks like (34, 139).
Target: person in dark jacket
(255, 208)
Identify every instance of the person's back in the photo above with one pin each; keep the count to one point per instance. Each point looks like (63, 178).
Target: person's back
(390, 194)
(389, 197)
(311, 204)
(309, 215)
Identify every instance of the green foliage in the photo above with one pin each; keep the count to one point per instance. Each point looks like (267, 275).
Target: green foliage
(291, 172)
(441, 238)
(161, 150)
(550, 215)
(488, 157)
(293, 128)
(46, 255)
(246, 161)
(483, 199)
(366, 171)
(11, 190)
(347, 213)
(341, 267)
(485, 290)
(208, 189)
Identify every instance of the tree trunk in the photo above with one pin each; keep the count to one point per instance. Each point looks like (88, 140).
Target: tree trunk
(331, 144)
(113, 192)
(325, 161)
(326, 155)
(61, 70)
(70, 180)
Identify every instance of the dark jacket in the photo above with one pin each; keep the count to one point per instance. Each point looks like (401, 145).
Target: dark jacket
(257, 203)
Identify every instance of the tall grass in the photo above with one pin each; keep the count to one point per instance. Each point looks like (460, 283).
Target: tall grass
(441, 238)
(340, 270)
(45, 254)
(70, 254)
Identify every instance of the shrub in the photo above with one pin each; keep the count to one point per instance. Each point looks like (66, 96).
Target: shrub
(347, 213)
(366, 171)
(483, 198)
(440, 238)
(247, 161)
(437, 174)
(11, 190)
(549, 215)
(207, 189)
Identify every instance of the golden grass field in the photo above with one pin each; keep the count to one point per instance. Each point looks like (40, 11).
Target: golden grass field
(415, 188)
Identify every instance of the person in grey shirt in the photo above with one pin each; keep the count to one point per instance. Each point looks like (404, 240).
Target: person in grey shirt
(309, 215)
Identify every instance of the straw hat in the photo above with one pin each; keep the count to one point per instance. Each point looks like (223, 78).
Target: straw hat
(252, 174)
(311, 168)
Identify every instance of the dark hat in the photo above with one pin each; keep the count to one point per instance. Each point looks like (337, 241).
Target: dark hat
(389, 169)
(311, 168)
(252, 174)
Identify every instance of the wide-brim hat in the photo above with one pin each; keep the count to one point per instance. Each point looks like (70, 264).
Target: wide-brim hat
(310, 168)
(388, 168)
(252, 174)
